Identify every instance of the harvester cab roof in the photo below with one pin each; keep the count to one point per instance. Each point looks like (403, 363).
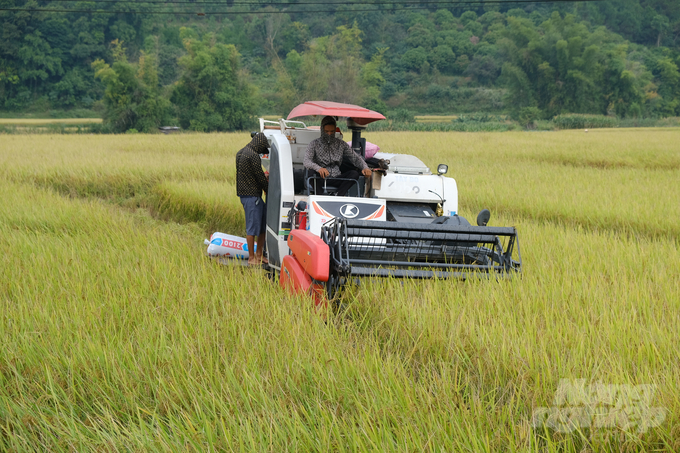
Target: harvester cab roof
(402, 221)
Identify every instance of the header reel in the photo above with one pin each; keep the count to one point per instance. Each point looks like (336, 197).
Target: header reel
(447, 248)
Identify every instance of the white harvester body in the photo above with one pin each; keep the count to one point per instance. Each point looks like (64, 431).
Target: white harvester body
(401, 222)
(408, 185)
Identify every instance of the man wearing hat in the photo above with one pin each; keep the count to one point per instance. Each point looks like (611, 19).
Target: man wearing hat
(325, 155)
(251, 181)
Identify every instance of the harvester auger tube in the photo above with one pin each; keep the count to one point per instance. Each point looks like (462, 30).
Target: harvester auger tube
(366, 248)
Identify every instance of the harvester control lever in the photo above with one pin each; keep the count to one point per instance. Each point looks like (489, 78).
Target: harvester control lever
(440, 197)
(440, 206)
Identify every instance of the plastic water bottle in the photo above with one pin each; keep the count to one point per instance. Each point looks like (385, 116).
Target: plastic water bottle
(228, 246)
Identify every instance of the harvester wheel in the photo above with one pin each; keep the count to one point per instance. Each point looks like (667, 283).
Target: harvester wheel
(272, 273)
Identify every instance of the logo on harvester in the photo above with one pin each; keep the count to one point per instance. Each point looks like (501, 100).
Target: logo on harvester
(373, 210)
(349, 211)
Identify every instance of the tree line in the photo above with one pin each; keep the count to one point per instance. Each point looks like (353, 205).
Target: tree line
(614, 57)
(210, 94)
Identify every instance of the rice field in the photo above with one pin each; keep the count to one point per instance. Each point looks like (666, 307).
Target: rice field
(47, 125)
(119, 334)
(44, 121)
(435, 118)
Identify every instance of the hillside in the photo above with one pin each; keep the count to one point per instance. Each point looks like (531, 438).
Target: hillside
(609, 57)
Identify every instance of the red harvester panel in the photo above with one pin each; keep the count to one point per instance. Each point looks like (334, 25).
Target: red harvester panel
(293, 276)
(311, 252)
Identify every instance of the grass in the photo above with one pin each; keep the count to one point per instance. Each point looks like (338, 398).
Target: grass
(23, 126)
(474, 122)
(430, 126)
(435, 118)
(118, 334)
(43, 121)
(51, 114)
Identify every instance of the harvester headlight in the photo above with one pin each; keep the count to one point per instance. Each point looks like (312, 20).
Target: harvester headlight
(442, 169)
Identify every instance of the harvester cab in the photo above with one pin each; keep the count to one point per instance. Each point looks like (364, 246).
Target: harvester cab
(402, 221)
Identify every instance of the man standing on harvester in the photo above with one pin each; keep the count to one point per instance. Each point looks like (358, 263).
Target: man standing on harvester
(325, 154)
(251, 181)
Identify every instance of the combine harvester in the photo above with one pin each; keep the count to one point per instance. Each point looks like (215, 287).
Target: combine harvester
(402, 222)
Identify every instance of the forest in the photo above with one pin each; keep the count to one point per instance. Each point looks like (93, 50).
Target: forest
(215, 66)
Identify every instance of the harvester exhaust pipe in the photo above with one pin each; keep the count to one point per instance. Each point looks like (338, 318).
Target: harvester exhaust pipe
(358, 143)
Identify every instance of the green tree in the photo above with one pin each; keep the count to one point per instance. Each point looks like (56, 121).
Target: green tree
(669, 78)
(331, 68)
(568, 68)
(212, 94)
(620, 86)
(372, 81)
(315, 72)
(132, 98)
(294, 37)
(344, 54)
(414, 59)
(420, 36)
(520, 93)
(570, 61)
(483, 69)
(443, 58)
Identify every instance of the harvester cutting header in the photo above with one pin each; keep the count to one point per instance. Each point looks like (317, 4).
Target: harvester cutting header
(401, 221)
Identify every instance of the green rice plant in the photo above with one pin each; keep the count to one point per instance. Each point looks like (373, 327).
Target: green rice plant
(184, 156)
(435, 118)
(621, 180)
(650, 122)
(120, 167)
(622, 200)
(138, 172)
(602, 149)
(45, 121)
(477, 118)
(211, 204)
(583, 121)
(402, 116)
(544, 125)
(119, 334)
(455, 126)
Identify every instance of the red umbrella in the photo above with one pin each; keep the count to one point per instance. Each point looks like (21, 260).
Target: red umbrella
(359, 114)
